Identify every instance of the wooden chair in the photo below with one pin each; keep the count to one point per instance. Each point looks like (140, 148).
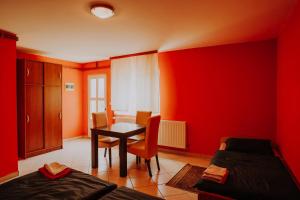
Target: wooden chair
(148, 148)
(100, 120)
(141, 118)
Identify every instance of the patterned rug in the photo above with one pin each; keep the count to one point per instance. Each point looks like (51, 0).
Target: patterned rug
(186, 178)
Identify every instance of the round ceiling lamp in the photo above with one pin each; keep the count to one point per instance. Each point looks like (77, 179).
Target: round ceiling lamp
(102, 11)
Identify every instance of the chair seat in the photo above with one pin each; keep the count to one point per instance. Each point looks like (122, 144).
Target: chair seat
(108, 139)
(108, 142)
(137, 137)
(138, 148)
(130, 141)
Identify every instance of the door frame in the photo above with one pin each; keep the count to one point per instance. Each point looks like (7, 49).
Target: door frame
(89, 77)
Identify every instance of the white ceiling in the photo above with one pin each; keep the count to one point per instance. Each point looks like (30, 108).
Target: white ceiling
(66, 29)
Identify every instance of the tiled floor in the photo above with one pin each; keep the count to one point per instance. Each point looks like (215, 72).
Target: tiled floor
(77, 155)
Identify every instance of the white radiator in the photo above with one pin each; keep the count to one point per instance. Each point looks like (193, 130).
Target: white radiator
(172, 134)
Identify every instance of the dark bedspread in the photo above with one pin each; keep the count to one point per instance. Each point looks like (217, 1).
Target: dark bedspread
(252, 177)
(77, 185)
(123, 193)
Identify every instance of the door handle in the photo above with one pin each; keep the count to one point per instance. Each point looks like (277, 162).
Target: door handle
(27, 71)
(60, 115)
(60, 75)
(27, 119)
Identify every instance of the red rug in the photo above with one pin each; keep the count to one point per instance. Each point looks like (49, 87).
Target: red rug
(186, 178)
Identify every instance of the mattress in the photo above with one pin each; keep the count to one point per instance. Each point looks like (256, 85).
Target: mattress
(123, 193)
(252, 177)
(76, 185)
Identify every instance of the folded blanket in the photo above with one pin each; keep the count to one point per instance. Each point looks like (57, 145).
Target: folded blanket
(216, 174)
(61, 174)
(216, 179)
(55, 168)
(216, 170)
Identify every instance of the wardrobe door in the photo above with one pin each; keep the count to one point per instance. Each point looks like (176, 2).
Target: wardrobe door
(52, 74)
(52, 116)
(34, 118)
(33, 72)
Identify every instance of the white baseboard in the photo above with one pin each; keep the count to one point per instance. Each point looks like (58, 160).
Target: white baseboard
(184, 153)
(73, 138)
(9, 177)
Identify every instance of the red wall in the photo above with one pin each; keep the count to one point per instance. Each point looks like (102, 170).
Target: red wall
(72, 103)
(288, 123)
(220, 91)
(8, 108)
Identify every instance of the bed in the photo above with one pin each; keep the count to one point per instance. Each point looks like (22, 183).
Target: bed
(76, 185)
(124, 193)
(252, 174)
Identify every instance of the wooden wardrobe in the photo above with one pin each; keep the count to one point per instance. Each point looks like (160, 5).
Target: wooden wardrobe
(39, 107)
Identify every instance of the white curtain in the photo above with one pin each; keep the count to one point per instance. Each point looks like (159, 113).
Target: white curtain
(135, 84)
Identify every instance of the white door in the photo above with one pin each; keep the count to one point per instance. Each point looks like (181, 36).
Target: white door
(97, 96)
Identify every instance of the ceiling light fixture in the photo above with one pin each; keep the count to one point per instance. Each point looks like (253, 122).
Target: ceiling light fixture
(102, 11)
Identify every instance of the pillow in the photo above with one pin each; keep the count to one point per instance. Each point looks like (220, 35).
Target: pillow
(222, 146)
(246, 145)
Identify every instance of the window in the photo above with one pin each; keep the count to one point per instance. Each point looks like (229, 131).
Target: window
(96, 94)
(135, 84)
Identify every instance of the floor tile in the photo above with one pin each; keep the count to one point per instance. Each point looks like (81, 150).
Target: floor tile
(142, 181)
(120, 181)
(134, 173)
(170, 191)
(101, 175)
(161, 178)
(151, 190)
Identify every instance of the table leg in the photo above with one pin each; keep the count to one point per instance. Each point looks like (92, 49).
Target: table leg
(94, 149)
(123, 157)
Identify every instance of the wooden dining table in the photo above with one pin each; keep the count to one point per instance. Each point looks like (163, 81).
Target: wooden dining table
(120, 130)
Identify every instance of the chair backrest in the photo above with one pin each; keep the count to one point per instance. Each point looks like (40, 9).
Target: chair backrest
(99, 119)
(152, 135)
(142, 117)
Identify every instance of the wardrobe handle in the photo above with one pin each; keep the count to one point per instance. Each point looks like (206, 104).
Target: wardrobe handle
(27, 71)
(60, 75)
(60, 115)
(27, 119)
